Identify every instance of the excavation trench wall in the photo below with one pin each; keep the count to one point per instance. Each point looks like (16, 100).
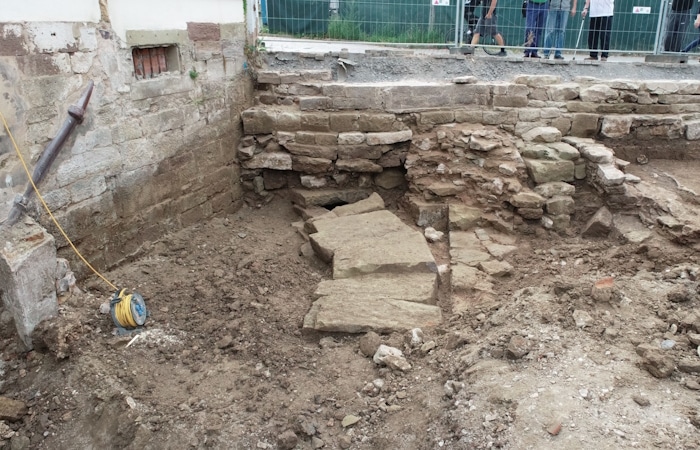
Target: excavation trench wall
(482, 144)
(154, 154)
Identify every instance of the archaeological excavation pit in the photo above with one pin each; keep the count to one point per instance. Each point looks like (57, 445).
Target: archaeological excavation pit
(455, 262)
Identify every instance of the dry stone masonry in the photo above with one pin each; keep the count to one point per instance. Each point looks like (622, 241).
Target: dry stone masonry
(522, 144)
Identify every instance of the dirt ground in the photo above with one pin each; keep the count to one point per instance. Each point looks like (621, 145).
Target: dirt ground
(224, 363)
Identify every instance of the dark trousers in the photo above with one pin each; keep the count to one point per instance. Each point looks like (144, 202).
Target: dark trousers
(677, 25)
(599, 29)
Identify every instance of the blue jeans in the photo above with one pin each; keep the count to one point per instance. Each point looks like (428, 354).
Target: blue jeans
(556, 27)
(535, 19)
(692, 45)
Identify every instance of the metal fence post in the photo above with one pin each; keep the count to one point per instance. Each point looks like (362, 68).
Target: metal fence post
(458, 28)
(660, 26)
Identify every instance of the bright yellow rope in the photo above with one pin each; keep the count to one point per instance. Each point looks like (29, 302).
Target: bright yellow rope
(38, 194)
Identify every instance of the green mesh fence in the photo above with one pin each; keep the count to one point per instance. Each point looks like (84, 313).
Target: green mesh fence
(419, 21)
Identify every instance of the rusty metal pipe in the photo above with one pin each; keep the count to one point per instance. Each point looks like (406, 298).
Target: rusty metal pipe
(76, 113)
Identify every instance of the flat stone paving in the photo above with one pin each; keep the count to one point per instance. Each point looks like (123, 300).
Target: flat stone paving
(385, 276)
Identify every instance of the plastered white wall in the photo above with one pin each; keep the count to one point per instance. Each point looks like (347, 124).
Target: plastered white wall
(171, 14)
(49, 11)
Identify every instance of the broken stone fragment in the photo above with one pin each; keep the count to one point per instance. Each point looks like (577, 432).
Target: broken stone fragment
(391, 357)
(369, 343)
(655, 361)
(432, 235)
(582, 319)
(517, 347)
(599, 225)
(604, 290)
(12, 410)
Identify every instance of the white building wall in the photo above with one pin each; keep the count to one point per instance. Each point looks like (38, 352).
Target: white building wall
(171, 14)
(49, 11)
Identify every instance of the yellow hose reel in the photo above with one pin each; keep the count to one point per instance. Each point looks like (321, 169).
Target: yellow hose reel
(128, 312)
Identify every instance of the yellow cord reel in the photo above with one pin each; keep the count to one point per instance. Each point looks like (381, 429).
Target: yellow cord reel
(128, 312)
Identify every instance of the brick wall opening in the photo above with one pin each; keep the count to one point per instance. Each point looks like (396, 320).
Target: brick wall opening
(149, 62)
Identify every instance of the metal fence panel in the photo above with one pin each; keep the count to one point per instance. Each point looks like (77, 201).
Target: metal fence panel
(637, 27)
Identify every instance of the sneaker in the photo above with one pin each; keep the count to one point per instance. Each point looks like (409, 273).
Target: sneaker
(591, 58)
(532, 55)
(502, 53)
(558, 57)
(603, 58)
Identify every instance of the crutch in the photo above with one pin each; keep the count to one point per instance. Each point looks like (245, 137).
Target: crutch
(578, 39)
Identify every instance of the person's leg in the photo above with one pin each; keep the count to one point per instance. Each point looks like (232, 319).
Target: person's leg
(478, 30)
(692, 45)
(529, 28)
(593, 36)
(497, 36)
(541, 20)
(671, 31)
(549, 37)
(605, 32)
(563, 19)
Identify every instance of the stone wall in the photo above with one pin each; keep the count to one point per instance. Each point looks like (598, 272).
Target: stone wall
(152, 155)
(501, 147)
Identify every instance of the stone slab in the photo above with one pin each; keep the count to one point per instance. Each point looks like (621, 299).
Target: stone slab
(410, 287)
(404, 251)
(327, 197)
(354, 230)
(350, 315)
(28, 267)
(372, 203)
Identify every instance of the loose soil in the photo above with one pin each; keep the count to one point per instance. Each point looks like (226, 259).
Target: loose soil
(223, 362)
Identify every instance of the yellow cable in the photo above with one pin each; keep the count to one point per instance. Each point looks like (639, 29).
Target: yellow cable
(38, 194)
(122, 311)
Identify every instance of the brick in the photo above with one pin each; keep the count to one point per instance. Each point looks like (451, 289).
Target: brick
(202, 31)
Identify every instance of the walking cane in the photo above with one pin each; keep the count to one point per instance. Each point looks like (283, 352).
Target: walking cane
(578, 39)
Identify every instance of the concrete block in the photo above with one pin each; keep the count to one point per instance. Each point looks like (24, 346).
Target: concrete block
(28, 267)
